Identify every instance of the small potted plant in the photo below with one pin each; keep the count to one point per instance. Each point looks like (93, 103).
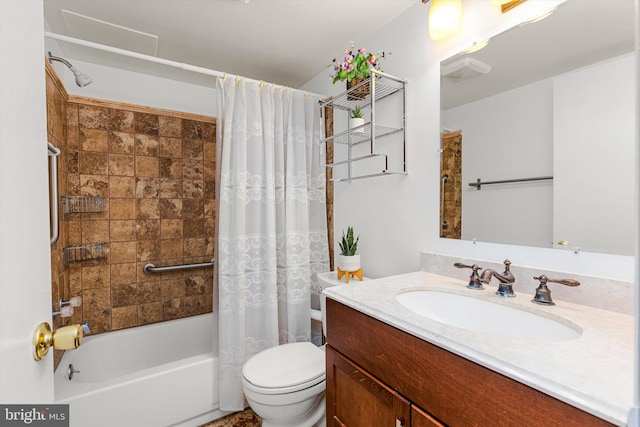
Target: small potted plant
(356, 120)
(349, 260)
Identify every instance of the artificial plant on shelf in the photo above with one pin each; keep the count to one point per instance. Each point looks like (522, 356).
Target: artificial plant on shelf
(357, 64)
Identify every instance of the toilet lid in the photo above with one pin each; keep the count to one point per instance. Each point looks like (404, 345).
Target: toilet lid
(285, 366)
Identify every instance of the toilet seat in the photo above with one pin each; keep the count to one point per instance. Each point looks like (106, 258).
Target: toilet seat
(285, 369)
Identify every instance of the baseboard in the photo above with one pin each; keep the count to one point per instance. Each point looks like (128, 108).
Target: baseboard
(200, 419)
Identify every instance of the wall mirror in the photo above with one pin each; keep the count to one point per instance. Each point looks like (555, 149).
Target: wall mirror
(549, 107)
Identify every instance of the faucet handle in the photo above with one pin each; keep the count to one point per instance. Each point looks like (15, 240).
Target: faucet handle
(567, 282)
(474, 279)
(543, 293)
(474, 267)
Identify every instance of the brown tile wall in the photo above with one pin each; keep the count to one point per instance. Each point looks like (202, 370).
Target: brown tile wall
(156, 169)
(451, 165)
(57, 135)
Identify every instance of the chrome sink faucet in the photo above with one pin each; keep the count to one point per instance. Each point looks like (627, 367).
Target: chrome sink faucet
(506, 280)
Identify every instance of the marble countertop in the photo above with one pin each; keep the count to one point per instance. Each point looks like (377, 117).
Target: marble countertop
(593, 372)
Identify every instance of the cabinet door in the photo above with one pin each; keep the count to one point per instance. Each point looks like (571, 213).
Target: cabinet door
(419, 418)
(356, 399)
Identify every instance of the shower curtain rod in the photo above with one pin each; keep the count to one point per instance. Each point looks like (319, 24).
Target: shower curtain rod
(142, 56)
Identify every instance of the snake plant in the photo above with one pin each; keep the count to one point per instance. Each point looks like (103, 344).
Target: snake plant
(348, 245)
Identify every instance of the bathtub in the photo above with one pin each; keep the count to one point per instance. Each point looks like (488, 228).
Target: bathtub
(155, 375)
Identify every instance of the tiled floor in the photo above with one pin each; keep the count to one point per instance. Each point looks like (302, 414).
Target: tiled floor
(246, 418)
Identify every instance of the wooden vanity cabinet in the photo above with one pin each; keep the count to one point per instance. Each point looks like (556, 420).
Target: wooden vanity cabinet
(359, 399)
(378, 375)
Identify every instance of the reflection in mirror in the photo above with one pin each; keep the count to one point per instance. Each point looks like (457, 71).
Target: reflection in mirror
(550, 108)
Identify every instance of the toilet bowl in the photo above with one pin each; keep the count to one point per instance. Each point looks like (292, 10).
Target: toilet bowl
(285, 385)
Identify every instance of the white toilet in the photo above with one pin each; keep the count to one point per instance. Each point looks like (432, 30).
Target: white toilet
(285, 384)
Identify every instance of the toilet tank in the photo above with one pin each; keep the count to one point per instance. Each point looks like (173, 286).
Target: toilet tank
(328, 279)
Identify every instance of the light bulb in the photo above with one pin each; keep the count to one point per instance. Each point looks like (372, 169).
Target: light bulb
(445, 18)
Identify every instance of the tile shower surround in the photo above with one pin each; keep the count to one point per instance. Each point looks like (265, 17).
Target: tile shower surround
(156, 169)
(157, 173)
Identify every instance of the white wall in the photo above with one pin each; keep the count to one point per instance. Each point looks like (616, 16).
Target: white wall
(516, 128)
(594, 116)
(118, 85)
(391, 212)
(398, 216)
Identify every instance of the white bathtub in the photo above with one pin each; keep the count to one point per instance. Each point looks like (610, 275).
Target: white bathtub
(156, 375)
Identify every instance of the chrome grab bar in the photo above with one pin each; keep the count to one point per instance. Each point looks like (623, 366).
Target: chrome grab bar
(53, 153)
(150, 268)
(445, 224)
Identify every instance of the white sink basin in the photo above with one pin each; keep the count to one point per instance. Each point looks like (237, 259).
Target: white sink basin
(478, 315)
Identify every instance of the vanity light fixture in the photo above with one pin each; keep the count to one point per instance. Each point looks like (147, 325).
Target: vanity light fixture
(445, 18)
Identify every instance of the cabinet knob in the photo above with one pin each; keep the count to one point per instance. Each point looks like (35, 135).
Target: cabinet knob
(399, 423)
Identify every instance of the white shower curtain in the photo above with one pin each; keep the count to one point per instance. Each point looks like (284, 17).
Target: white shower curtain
(271, 223)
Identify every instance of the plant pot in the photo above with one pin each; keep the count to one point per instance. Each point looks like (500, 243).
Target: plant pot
(355, 122)
(360, 93)
(349, 263)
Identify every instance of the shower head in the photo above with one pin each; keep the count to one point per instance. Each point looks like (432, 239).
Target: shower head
(81, 78)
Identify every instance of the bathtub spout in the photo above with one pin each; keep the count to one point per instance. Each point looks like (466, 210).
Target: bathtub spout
(86, 329)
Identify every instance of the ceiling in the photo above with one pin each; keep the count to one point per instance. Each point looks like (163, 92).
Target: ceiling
(577, 34)
(286, 42)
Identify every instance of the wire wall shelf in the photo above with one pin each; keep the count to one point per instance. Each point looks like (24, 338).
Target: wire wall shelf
(361, 134)
(83, 204)
(364, 142)
(84, 252)
(385, 85)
